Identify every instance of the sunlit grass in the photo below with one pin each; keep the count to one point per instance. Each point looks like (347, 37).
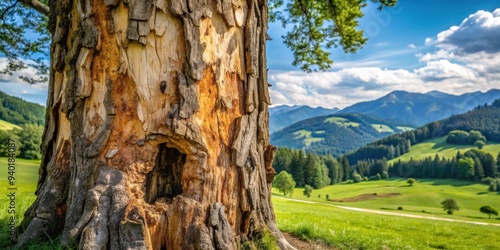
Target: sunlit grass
(439, 146)
(5, 125)
(345, 229)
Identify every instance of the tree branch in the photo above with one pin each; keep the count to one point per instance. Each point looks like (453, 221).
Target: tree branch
(8, 9)
(38, 6)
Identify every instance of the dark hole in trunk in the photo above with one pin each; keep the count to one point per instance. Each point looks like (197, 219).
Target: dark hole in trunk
(164, 182)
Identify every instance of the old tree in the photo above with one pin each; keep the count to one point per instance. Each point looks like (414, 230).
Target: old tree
(156, 130)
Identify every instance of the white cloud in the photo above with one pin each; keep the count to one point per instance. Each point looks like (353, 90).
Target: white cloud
(13, 85)
(480, 32)
(465, 59)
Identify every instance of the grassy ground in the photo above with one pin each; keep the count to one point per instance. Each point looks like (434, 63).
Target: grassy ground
(405, 128)
(342, 121)
(25, 184)
(425, 195)
(443, 149)
(338, 227)
(308, 139)
(5, 125)
(381, 128)
(356, 230)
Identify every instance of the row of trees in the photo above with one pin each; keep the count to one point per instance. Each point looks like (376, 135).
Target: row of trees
(27, 140)
(461, 137)
(19, 112)
(472, 165)
(311, 169)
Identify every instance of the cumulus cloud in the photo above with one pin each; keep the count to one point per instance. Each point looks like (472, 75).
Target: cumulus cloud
(463, 58)
(480, 32)
(13, 85)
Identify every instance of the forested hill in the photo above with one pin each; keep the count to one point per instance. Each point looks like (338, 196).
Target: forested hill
(284, 116)
(333, 134)
(485, 119)
(17, 111)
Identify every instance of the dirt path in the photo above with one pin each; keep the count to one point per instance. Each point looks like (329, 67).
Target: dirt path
(392, 213)
(302, 244)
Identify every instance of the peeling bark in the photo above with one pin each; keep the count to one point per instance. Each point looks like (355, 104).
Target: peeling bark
(157, 126)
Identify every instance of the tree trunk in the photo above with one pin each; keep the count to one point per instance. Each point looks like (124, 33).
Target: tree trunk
(157, 126)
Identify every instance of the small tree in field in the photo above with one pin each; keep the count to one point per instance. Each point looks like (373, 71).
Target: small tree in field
(488, 210)
(410, 181)
(284, 182)
(308, 190)
(450, 205)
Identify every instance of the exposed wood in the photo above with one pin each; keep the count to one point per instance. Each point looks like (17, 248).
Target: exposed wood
(157, 126)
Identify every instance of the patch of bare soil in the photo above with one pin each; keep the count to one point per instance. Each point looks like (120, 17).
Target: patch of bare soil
(302, 244)
(364, 197)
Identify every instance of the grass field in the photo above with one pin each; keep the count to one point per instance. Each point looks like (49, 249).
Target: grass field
(425, 195)
(26, 177)
(381, 128)
(402, 128)
(344, 229)
(443, 149)
(342, 121)
(5, 125)
(308, 139)
(341, 228)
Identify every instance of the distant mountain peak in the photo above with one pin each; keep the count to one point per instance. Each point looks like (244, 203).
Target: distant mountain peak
(417, 109)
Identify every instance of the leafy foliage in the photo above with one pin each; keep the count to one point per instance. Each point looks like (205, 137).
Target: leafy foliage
(320, 25)
(410, 181)
(307, 191)
(24, 38)
(284, 182)
(450, 205)
(19, 112)
(488, 210)
(27, 140)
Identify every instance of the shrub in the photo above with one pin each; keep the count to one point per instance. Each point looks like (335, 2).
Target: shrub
(400, 208)
(307, 191)
(410, 181)
(327, 196)
(385, 175)
(488, 210)
(479, 144)
(450, 205)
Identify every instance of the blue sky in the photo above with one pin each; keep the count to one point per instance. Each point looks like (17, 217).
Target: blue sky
(411, 47)
(419, 46)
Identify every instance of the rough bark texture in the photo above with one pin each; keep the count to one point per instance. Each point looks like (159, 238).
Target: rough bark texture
(157, 126)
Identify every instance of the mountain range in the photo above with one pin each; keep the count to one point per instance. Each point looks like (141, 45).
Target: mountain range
(283, 116)
(334, 134)
(417, 109)
(340, 131)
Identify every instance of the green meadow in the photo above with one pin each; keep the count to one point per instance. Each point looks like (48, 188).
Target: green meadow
(423, 198)
(439, 146)
(343, 229)
(26, 177)
(5, 125)
(338, 228)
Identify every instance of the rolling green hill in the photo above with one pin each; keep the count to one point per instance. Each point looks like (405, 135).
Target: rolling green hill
(485, 119)
(344, 224)
(284, 116)
(440, 147)
(334, 134)
(17, 111)
(5, 125)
